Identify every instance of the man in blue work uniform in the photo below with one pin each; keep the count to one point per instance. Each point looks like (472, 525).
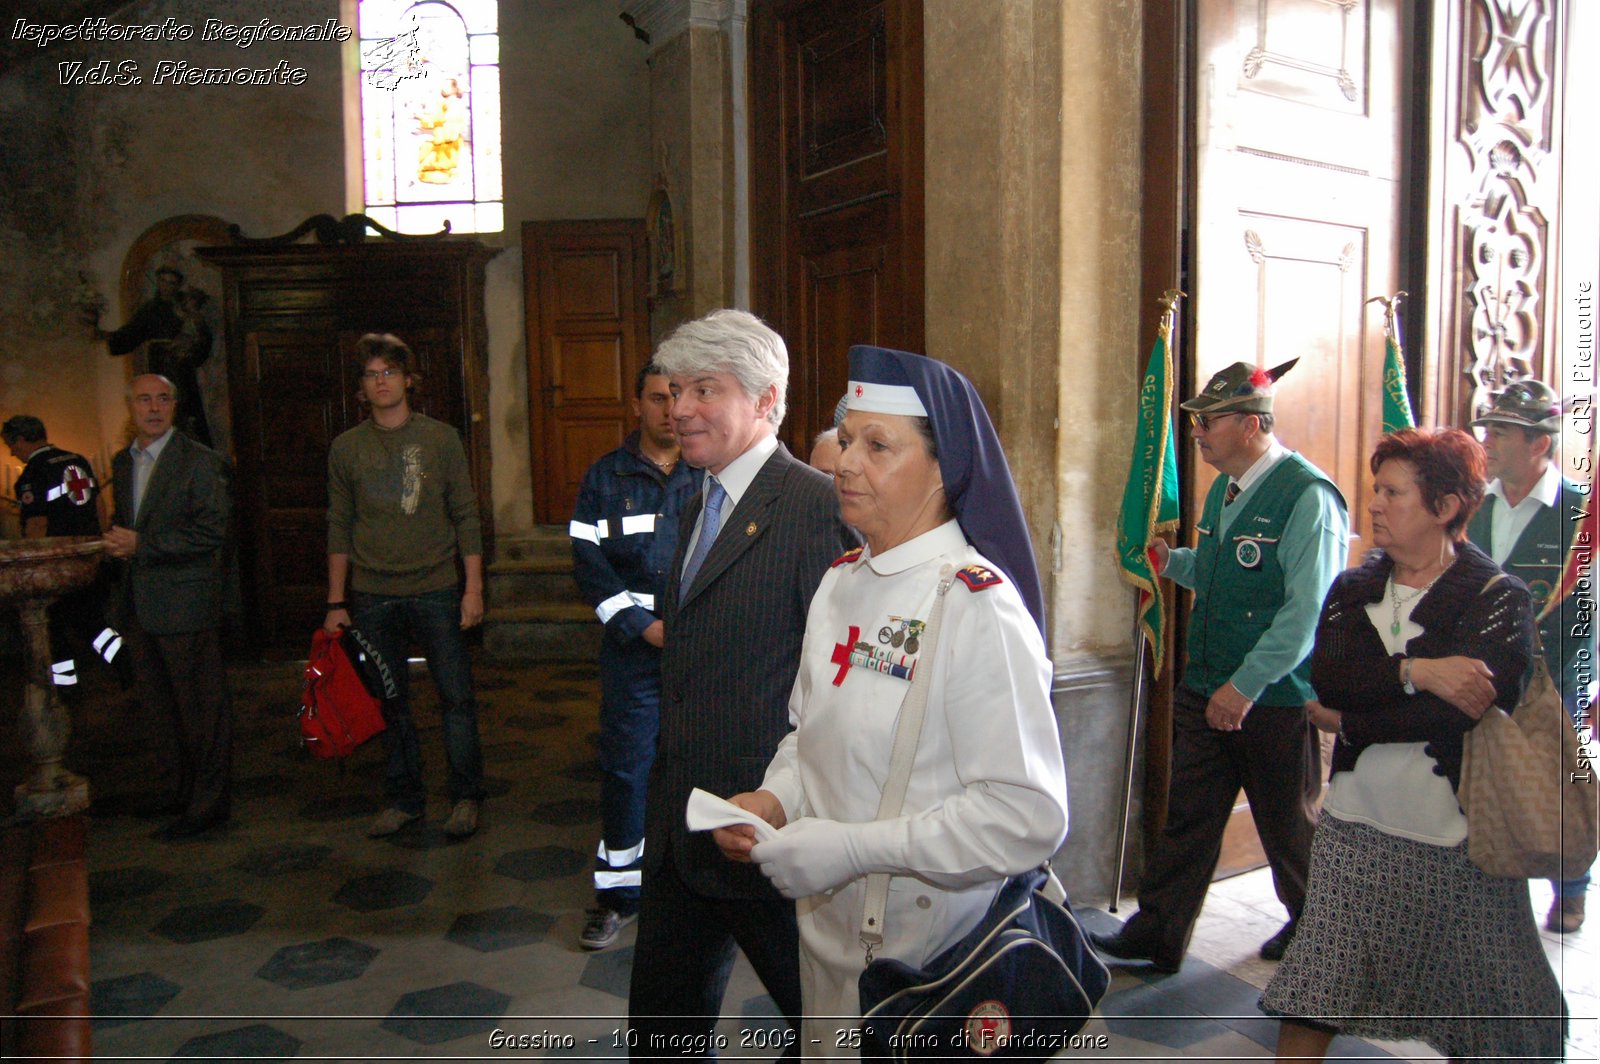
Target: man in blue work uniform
(624, 533)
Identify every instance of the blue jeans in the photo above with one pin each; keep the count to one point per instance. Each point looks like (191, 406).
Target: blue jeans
(433, 621)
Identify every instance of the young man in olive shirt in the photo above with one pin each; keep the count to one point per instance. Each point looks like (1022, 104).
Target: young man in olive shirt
(401, 509)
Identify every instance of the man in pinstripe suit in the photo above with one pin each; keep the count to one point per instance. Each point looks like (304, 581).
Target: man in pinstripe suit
(752, 548)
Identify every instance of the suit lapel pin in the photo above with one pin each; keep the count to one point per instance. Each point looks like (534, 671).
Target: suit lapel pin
(750, 529)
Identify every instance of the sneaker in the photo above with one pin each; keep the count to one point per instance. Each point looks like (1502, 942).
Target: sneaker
(390, 821)
(603, 927)
(463, 819)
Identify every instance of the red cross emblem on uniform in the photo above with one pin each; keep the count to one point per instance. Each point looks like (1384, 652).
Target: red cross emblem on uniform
(77, 483)
(859, 391)
(841, 654)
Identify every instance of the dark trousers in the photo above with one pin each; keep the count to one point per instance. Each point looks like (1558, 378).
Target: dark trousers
(630, 717)
(685, 952)
(180, 678)
(433, 620)
(1276, 758)
(77, 619)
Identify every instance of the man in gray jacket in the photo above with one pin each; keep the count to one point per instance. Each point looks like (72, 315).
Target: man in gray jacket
(169, 527)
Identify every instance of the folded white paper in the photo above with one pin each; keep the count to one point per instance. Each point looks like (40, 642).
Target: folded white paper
(706, 811)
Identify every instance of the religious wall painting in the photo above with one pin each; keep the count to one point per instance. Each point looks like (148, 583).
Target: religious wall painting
(170, 321)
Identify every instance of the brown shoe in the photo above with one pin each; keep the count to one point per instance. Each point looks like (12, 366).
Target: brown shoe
(1566, 914)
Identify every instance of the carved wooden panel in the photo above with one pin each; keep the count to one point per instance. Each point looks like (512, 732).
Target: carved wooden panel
(842, 97)
(1308, 305)
(840, 133)
(1500, 177)
(1310, 51)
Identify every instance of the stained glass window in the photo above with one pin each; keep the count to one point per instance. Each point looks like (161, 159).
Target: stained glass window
(430, 114)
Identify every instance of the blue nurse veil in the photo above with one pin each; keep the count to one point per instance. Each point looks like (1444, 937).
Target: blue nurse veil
(977, 481)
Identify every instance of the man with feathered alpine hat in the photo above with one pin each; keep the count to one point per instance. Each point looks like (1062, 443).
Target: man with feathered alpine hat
(1271, 538)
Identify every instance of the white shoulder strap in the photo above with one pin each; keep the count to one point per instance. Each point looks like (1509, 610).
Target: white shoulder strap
(907, 734)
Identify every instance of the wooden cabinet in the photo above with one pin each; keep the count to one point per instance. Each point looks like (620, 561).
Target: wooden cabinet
(292, 315)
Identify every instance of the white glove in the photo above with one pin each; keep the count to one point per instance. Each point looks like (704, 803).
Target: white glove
(812, 856)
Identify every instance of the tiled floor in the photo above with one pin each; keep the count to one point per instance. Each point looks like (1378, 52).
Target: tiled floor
(289, 933)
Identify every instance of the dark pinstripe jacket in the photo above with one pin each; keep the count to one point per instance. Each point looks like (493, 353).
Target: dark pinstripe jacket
(732, 651)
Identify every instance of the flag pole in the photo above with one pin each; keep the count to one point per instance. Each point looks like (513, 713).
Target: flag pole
(1169, 322)
(1397, 411)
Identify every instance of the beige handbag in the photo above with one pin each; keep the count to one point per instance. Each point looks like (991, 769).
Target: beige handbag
(1529, 789)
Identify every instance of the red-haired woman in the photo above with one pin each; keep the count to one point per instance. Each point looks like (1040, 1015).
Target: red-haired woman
(1402, 936)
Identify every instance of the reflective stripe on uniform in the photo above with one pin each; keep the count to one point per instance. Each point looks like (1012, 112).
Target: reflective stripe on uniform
(635, 525)
(620, 858)
(639, 524)
(62, 489)
(613, 606)
(623, 600)
(612, 880)
(107, 643)
(64, 673)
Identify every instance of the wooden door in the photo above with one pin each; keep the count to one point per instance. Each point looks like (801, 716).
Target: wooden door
(1298, 156)
(836, 187)
(289, 404)
(588, 334)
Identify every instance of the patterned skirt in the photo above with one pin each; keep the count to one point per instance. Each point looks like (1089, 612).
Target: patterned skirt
(1404, 940)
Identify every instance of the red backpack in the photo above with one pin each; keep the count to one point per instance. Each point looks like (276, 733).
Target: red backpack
(342, 705)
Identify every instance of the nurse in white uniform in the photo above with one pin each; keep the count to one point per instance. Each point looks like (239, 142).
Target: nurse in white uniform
(923, 479)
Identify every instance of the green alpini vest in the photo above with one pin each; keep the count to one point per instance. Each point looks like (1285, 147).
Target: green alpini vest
(1239, 583)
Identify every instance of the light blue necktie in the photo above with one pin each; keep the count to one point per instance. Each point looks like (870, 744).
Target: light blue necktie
(709, 522)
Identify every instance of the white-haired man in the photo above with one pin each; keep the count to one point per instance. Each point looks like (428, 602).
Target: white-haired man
(752, 548)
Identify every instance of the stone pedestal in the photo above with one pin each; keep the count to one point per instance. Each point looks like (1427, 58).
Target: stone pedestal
(32, 574)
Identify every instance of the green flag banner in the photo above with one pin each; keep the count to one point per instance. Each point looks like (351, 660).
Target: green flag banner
(1150, 499)
(1396, 403)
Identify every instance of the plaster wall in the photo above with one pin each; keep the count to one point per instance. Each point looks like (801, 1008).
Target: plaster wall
(92, 167)
(1033, 266)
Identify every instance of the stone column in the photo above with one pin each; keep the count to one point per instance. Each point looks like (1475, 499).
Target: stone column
(1033, 175)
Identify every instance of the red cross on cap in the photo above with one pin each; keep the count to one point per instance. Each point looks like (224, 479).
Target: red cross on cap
(859, 390)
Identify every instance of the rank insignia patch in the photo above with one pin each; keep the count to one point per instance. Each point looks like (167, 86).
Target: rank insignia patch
(978, 577)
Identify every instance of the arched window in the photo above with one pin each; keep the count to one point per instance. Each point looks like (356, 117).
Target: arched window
(430, 114)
